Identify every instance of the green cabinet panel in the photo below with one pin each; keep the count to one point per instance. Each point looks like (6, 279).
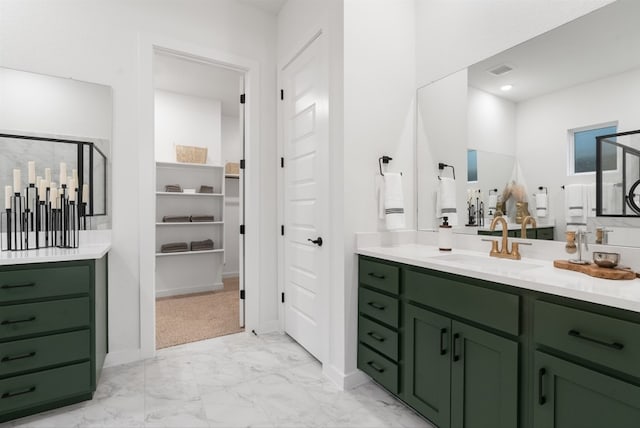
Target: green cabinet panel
(492, 308)
(23, 355)
(484, 379)
(379, 275)
(544, 233)
(381, 369)
(378, 337)
(379, 306)
(33, 318)
(571, 396)
(26, 282)
(427, 357)
(608, 341)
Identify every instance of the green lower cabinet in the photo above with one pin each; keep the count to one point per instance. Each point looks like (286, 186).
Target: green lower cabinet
(571, 396)
(427, 368)
(484, 379)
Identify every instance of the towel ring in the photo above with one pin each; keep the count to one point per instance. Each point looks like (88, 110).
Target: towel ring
(545, 189)
(384, 160)
(493, 190)
(442, 166)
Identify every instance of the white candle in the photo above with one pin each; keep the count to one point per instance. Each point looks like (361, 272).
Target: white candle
(42, 190)
(72, 193)
(85, 193)
(63, 173)
(38, 181)
(54, 198)
(31, 165)
(74, 174)
(8, 192)
(16, 180)
(53, 185)
(69, 182)
(47, 174)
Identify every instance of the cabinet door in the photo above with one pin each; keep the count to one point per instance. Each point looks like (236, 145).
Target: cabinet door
(427, 367)
(571, 396)
(484, 379)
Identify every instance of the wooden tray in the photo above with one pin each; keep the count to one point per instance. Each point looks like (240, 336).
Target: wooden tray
(596, 271)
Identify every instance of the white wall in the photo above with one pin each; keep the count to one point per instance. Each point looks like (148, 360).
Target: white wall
(187, 121)
(97, 41)
(231, 152)
(491, 123)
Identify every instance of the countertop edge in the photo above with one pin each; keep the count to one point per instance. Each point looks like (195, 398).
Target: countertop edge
(54, 255)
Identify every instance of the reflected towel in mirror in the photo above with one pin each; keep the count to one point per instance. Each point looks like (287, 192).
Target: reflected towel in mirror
(542, 204)
(574, 198)
(446, 200)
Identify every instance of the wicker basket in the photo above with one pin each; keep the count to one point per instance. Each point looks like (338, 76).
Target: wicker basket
(191, 154)
(232, 168)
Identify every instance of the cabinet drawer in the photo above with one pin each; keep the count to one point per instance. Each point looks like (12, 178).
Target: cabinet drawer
(379, 275)
(378, 337)
(378, 306)
(23, 392)
(34, 318)
(492, 308)
(379, 368)
(35, 283)
(29, 354)
(608, 341)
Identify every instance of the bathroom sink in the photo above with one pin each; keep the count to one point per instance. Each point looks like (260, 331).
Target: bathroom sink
(487, 264)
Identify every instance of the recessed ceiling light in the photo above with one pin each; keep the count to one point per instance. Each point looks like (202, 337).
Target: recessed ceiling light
(506, 87)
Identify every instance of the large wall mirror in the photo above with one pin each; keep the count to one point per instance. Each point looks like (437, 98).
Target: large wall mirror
(526, 121)
(49, 120)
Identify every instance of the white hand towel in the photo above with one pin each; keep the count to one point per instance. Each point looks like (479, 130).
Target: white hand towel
(446, 200)
(590, 192)
(393, 201)
(542, 204)
(574, 197)
(493, 201)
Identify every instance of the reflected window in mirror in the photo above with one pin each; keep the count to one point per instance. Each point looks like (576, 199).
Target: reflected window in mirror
(472, 166)
(583, 150)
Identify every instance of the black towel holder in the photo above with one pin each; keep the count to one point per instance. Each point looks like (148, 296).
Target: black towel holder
(442, 166)
(493, 190)
(384, 160)
(545, 189)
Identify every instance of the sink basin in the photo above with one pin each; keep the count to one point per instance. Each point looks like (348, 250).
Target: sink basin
(487, 264)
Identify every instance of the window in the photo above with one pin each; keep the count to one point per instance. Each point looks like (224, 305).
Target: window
(472, 166)
(584, 150)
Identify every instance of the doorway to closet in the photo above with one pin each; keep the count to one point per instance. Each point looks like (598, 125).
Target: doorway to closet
(199, 143)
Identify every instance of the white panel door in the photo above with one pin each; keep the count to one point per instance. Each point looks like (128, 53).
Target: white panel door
(306, 202)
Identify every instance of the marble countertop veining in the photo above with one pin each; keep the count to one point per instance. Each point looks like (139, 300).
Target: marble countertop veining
(93, 245)
(528, 273)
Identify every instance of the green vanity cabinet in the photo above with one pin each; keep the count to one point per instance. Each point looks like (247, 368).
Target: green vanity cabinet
(53, 334)
(544, 233)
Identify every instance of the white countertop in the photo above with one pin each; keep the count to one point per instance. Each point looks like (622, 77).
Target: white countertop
(531, 274)
(93, 245)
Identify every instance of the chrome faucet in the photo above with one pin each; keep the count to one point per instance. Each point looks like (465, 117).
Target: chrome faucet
(581, 239)
(503, 251)
(525, 221)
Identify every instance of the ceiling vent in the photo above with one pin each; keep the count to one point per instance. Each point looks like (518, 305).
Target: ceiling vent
(500, 70)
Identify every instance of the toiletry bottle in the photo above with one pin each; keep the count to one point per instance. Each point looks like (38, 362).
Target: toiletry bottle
(445, 236)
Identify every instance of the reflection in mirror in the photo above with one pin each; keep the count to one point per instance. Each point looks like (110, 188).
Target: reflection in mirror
(50, 120)
(618, 174)
(542, 103)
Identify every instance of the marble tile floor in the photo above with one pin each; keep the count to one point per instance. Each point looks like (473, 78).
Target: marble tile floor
(239, 380)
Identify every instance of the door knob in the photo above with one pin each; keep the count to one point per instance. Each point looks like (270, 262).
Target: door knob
(317, 241)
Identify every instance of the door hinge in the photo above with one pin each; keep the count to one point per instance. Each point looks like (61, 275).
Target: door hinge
(281, 162)
(242, 98)
(282, 94)
(282, 230)
(241, 163)
(241, 294)
(282, 297)
(242, 229)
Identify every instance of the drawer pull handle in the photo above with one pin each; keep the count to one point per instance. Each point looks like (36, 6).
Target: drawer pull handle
(8, 322)
(376, 305)
(541, 398)
(456, 356)
(443, 347)
(14, 394)
(18, 357)
(375, 367)
(614, 345)
(376, 275)
(376, 336)
(8, 286)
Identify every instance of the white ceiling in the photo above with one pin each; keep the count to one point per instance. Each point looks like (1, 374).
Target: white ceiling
(185, 76)
(271, 6)
(602, 43)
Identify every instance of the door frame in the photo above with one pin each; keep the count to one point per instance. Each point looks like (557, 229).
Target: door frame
(316, 34)
(148, 44)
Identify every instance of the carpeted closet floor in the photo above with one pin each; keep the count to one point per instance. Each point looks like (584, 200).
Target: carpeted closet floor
(194, 317)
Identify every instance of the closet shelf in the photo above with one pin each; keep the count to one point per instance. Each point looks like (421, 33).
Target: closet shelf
(232, 176)
(188, 223)
(180, 194)
(190, 253)
(186, 165)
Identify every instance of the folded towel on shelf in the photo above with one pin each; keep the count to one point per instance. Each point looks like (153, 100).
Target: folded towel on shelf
(207, 244)
(590, 196)
(575, 200)
(176, 219)
(493, 201)
(206, 189)
(446, 200)
(174, 188)
(393, 199)
(542, 204)
(174, 247)
(201, 218)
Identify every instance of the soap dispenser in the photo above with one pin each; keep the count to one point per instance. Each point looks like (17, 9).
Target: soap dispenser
(445, 235)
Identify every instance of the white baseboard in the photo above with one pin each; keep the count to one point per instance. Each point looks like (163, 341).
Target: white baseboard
(230, 275)
(345, 381)
(117, 358)
(189, 290)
